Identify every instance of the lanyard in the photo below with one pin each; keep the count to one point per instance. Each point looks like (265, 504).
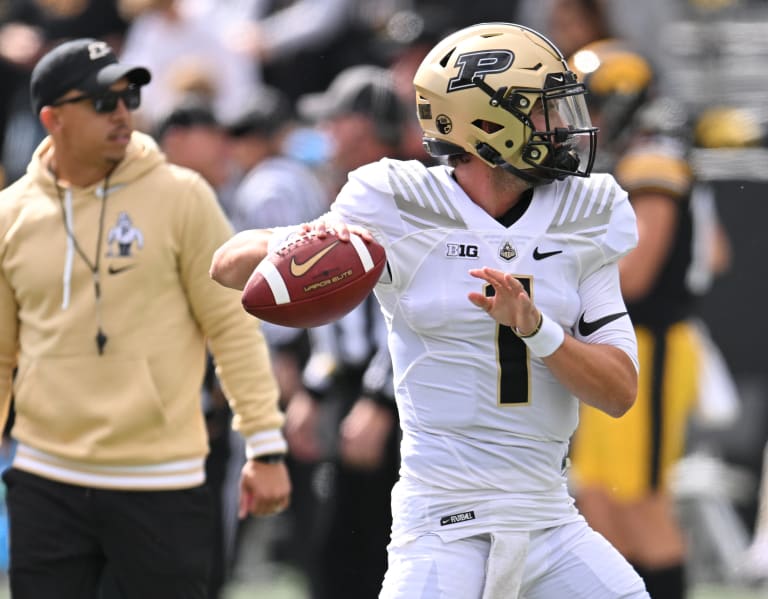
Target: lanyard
(101, 338)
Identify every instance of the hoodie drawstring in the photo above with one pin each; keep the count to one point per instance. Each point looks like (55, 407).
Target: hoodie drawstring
(70, 255)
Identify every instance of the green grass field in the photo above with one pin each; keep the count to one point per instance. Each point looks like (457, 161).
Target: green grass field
(289, 586)
(287, 589)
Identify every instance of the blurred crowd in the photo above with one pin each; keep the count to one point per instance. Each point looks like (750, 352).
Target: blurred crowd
(274, 102)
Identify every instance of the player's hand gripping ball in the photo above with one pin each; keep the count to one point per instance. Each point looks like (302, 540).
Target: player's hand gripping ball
(311, 281)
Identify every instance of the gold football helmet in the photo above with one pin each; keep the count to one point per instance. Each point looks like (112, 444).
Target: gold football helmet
(618, 82)
(480, 90)
(728, 127)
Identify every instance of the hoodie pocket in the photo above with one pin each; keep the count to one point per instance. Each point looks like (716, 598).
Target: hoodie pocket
(87, 401)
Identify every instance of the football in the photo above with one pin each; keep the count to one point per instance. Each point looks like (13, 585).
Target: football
(311, 281)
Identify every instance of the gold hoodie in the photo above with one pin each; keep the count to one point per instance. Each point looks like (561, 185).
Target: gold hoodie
(130, 417)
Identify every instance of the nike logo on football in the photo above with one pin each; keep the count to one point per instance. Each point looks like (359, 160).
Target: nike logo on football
(114, 270)
(537, 255)
(299, 269)
(587, 328)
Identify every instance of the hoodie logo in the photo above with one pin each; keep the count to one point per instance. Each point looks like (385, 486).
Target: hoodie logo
(116, 270)
(123, 236)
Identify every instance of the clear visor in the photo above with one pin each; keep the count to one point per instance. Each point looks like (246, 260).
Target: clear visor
(568, 117)
(567, 126)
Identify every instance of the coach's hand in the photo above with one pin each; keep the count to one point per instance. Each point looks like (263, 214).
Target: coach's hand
(265, 489)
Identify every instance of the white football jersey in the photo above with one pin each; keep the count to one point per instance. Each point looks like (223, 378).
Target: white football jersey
(486, 425)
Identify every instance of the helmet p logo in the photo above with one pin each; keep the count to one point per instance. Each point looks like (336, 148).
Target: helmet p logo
(479, 64)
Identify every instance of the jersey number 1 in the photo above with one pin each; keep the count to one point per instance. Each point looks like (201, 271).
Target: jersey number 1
(512, 358)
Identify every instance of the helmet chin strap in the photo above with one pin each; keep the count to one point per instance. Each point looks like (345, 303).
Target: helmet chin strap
(488, 153)
(566, 160)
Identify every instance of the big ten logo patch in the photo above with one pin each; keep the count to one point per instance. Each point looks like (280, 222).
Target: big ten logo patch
(461, 250)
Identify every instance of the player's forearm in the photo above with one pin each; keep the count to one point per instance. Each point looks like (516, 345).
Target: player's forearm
(601, 376)
(233, 262)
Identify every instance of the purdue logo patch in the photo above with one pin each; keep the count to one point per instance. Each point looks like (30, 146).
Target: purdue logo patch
(507, 252)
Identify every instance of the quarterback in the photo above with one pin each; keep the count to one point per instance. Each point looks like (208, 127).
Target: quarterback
(504, 311)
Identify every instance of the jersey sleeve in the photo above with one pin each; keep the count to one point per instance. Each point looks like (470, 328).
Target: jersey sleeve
(604, 318)
(366, 200)
(621, 235)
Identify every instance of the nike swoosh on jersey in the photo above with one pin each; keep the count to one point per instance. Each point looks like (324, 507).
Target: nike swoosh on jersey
(299, 269)
(587, 328)
(114, 270)
(537, 255)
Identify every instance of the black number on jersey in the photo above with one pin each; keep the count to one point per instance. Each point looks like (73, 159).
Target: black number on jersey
(512, 358)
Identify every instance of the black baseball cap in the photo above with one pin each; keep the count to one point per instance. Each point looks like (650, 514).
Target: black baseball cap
(360, 89)
(85, 64)
(265, 113)
(190, 111)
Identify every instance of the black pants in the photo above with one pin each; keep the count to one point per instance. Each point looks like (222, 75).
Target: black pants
(352, 558)
(156, 544)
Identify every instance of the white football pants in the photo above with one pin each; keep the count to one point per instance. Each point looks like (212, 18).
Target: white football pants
(568, 561)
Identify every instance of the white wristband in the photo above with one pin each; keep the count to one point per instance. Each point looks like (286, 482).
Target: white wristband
(280, 236)
(545, 341)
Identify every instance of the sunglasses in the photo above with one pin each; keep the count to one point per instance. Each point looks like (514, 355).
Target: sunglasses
(107, 102)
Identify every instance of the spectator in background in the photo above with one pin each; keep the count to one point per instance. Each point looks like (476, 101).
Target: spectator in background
(110, 347)
(362, 115)
(321, 39)
(403, 43)
(302, 44)
(192, 136)
(179, 46)
(275, 188)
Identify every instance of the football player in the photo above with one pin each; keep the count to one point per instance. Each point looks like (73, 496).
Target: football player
(622, 468)
(504, 310)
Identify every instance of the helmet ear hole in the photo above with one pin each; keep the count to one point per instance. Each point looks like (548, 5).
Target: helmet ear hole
(487, 126)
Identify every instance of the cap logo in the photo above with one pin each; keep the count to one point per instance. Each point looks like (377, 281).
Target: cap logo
(479, 64)
(98, 50)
